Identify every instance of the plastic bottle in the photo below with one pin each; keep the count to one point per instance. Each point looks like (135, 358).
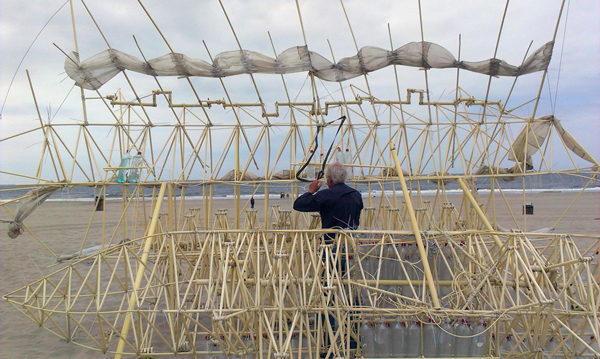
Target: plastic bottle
(249, 347)
(310, 169)
(366, 261)
(304, 347)
(399, 339)
(347, 157)
(416, 267)
(550, 346)
(403, 269)
(390, 262)
(265, 346)
(479, 343)
(123, 172)
(206, 346)
(445, 262)
(383, 340)
(430, 339)
(352, 266)
(462, 347)
(413, 342)
(591, 341)
(219, 351)
(348, 162)
(395, 255)
(367, 340)
(134, 173)
(295, 346)
(506, 346)
(339, 155)
(376, 254)
(446, 340)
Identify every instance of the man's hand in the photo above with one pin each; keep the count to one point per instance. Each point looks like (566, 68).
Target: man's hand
(314, 186)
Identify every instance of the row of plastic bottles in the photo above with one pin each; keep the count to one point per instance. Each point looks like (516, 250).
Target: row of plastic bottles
(343, 157)
(213, 349)
(126, 174)
(508, 343)
(383, 261)
(411, 339)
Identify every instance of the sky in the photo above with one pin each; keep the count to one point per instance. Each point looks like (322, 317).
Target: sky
(200, 29)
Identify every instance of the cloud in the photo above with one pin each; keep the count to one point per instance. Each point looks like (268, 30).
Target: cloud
(188, 25)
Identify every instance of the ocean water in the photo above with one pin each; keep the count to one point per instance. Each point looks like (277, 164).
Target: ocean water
(532, 184)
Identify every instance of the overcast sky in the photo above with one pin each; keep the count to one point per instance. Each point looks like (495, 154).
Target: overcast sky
(574, 77)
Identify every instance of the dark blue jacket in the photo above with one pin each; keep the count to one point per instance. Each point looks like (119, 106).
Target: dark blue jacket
(339, 206)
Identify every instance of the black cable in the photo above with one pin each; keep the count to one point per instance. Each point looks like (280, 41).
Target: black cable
(322, 171)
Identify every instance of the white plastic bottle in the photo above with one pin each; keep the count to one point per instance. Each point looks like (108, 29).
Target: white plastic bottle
(404, 269)
(444, 264)
(265, 347)
(550, 346)
(134, 173)
(446, 340)
(352, 267)
(310, 168)
(389, 266)
(395, 272)
(413, 342)
(584, 351)
(218, 349)
(399, 339)
(366, 260)
(479, 343)
(206, 346)
(367, 340)
(417, 267)
(249, 347)
(348, 163)
(294, 344)
(430, 339)
(462, 347)
(347, 157)
(123, 172)
(339, 155)
(383, 340)
(304, 347)
(506, 346)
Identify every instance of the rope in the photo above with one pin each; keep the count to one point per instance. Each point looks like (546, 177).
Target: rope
(26, 52)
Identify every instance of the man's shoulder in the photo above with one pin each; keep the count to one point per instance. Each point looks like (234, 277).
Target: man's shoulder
(344, 188)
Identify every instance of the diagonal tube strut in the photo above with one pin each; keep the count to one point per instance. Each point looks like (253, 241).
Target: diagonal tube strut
(140, 272)
(416, 232)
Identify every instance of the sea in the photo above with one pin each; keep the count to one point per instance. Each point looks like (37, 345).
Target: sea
(553, 182)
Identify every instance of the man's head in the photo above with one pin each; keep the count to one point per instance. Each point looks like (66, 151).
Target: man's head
(335, 173)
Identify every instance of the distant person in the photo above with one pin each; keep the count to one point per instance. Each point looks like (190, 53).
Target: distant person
(338, 205)
(252, 202)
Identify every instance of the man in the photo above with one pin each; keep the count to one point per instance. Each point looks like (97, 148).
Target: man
(339, 205)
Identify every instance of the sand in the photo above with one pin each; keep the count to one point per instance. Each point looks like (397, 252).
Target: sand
(60, 225)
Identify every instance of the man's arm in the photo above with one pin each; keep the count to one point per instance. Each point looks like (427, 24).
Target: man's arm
(307, 202)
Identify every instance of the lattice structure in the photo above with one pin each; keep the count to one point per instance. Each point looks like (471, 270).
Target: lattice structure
(431, 256)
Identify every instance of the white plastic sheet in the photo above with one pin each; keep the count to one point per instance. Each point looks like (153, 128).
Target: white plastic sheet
(97, 70)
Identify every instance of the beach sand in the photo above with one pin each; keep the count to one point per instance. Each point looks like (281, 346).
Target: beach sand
(60, 225)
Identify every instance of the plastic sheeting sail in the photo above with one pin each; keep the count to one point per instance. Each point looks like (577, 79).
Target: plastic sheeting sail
(97, 70)
(530, 140)
(34, 199)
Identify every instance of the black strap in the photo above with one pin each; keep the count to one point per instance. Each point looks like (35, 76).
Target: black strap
(322, 171)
